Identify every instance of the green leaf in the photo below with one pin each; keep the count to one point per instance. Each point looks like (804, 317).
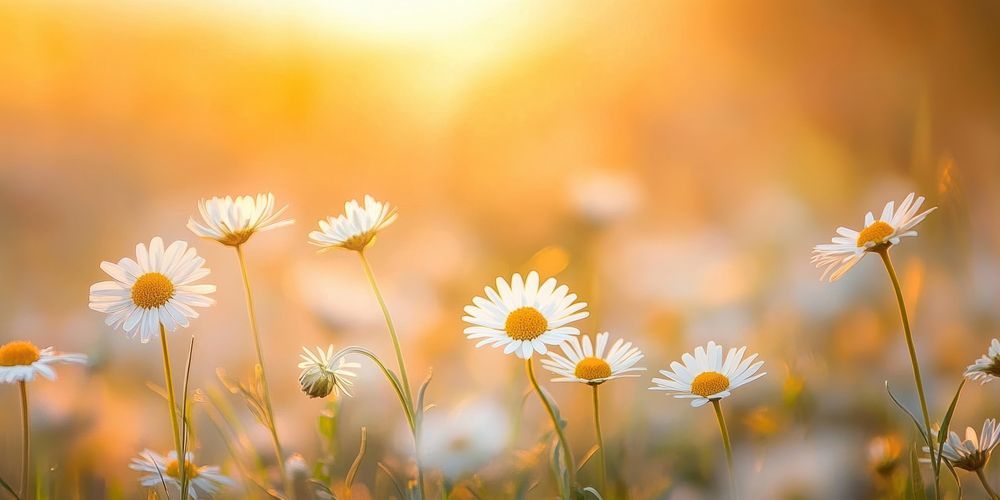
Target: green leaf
(920, 428)
(943, 432)
(916, 479)
(418, 408)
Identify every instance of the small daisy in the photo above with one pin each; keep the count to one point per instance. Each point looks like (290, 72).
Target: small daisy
(356, 228)
(320, 377)
(974, 452)
(589, 365)
(464, 441)
(233, 221)
(157, 288)
(20, 361)
(850, 246)
(523, 317)
(986, 368)
(159, 470)
(706, 376)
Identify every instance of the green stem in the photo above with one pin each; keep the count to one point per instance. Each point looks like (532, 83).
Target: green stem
(729, 445)
(405, 380)
(600, 443)
(391, 377)
(273, 427)
(567, 453)
(986, 484)
(172, 405)
(25, 440)
(884, 253)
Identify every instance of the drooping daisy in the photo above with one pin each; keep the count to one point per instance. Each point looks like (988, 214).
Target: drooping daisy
(974, 452)
(356, 228)
(850, 246)
(203, 482)
(587, 364)
(20, 361)
(987, 367)
(707, 376)
(233, 221)
(322, 374)
(465, 440)
(523, 317)
(157, 288)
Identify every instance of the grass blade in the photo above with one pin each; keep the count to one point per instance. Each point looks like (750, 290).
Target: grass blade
(924, 434)
(943, 432)
(916, 479)
(395, 484)
(586, 457)
(9, 489)
(353, 472)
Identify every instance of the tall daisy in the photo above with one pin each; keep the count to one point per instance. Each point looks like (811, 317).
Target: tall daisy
(589, 365)
(20, 361)
(157, 290)
(323, 373)
(159, 472)
(986, 368)
(356, 228)
(878, 236)
(232, 221)
(708, 376)
(523, 317)
(974, 452)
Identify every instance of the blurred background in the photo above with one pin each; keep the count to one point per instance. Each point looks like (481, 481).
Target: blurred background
(672, 162)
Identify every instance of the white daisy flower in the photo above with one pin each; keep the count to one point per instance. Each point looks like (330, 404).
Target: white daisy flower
(233, 221)
(523, 317)
(590, 366)
(20, 361)
(850, 246)
(356, 228)
(987, 367)
(156, 288)
(464, 441)
(321, 374)
(973, 453)
(706, 376)
(203, 482)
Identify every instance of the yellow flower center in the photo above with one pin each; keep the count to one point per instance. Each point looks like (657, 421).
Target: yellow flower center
(152, 290)
(173, 469)
(358, 242)
(18, 352)
(709, 383)
(592, 368)
(875, 233)
(525, 323)
(236, 238)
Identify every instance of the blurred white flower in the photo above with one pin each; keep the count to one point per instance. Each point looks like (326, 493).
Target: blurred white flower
(706, 376)
(601, 196)
(321, 374)
(233, 221)
(850, 246)
(589, 365)
(20, 361)
(523, 317)
(155, 289)
(466, 440)
(986, 368)
(356, 228)
(203, 482)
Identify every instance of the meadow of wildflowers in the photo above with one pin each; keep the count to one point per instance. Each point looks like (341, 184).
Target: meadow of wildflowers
(493, 250)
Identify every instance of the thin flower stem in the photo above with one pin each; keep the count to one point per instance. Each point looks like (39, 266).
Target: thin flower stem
(884, 253)
(25, 440)
(600, 443)
(393, 381)
(171, 401)
(729, 446)
(273, 427)
(567, 453)
(986, 484)
(388, 322)
(405, 380)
